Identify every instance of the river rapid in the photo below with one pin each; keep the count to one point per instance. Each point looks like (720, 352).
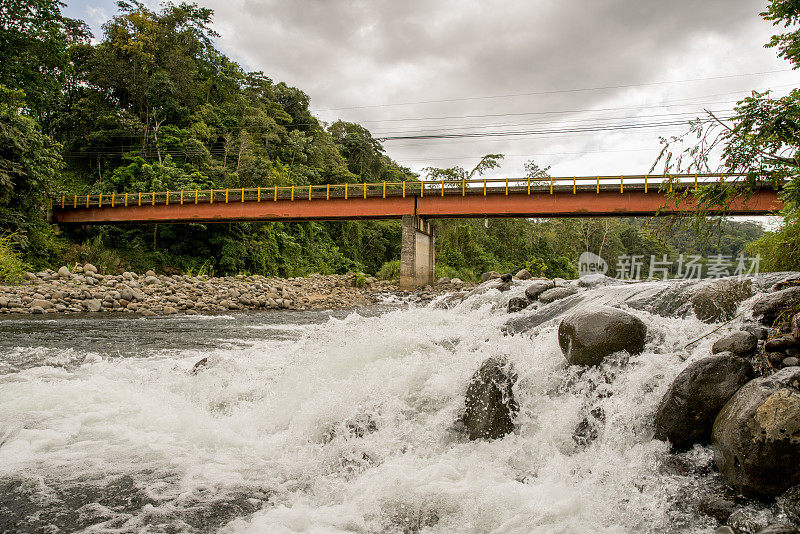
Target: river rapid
(332, 422)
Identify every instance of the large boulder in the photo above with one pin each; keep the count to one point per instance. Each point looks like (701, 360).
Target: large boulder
(516, 304)
(769, 306)
(717, 300)
(537, 288)
(490, 404)
(687, 411)
(741, 342)
(589, 335)
(756, 436)
(89, 268)
(523, 274)
(491, 275)
(557, 293)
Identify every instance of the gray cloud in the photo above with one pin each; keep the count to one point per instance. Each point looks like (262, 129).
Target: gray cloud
(361, 53)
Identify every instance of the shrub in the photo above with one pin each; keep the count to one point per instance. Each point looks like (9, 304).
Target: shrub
(389, 270)
(444, 270)
(12, 267)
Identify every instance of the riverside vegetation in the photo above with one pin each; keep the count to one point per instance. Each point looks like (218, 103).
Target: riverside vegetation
(152, 104)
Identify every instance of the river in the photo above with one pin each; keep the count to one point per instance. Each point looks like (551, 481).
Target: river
(332, 422)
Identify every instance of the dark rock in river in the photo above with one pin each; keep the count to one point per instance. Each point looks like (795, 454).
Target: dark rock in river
(489, 276)
(779, 528)
(717, 300)
(587, 336)
(516, 304)
(780, 343)
(756, 436)
(199, 366)
(686, 414)
(742, 343)
(537, 288)
(557, 293)
(717, 507)
(769, 306)
(790, 503)
(490, 404)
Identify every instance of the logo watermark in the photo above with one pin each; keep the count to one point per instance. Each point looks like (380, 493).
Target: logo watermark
(591, 263)
(686, 267)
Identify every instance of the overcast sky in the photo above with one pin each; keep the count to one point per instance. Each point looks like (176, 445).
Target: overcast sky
(413, 66)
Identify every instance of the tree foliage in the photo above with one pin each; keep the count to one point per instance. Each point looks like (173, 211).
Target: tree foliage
(758, 143)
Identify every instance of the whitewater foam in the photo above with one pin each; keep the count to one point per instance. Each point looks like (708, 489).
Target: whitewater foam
(349, 425)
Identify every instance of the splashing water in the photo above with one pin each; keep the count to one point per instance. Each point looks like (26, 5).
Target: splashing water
(320, 422)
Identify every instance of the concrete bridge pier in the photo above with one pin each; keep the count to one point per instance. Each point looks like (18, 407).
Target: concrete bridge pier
(417, 256)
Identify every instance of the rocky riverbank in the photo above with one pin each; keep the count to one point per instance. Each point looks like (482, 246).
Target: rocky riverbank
(83, 289)
(742, 398)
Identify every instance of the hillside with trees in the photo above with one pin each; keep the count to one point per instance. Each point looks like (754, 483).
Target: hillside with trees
(152, 104)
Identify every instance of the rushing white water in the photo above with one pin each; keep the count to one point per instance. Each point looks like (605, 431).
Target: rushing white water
(337, 425)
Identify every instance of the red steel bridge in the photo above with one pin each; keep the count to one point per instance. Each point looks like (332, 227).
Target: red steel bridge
(414, 202)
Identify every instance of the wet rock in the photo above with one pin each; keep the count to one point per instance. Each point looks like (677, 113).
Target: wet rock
(742, 343)
(746, 521)
(779, 528)
(717, 300)
(717, 507)
(523, 274)
(756, 436)
(597, 280)
(761, 332)
(537, 288)
(489, 402)
(491, 275)
(789, 502)
(687, 411)
(556, 293)
(506, 277)
(780, 343)
(516, 304)
(769, 306)
(586, 337)
(199, 366)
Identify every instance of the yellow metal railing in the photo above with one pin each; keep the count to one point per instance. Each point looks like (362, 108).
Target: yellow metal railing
(619, 184)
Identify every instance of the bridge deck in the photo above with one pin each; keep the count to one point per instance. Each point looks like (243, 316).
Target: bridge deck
(562, 197)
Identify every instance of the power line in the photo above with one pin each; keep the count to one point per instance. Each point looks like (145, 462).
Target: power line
(508, 156)
(558, 91)
(576, 120)
(601, 128)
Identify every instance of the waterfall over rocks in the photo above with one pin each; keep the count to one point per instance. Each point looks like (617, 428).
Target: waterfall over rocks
(449, 417)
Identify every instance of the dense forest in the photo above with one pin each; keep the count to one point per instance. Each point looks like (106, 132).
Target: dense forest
(152, 104)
